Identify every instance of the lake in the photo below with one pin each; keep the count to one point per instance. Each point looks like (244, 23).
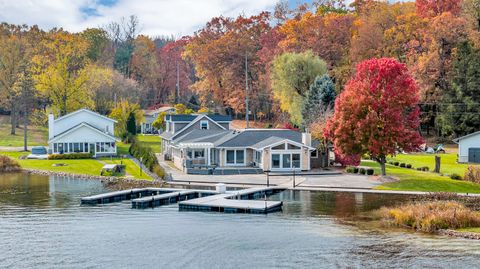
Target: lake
(42, 225)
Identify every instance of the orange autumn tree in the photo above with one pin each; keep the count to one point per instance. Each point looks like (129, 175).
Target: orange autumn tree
(377, 113)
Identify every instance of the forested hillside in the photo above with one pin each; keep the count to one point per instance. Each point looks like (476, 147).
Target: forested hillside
(294, 56)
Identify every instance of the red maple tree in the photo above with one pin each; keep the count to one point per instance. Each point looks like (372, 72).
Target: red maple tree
(377, 113)
(432, 8)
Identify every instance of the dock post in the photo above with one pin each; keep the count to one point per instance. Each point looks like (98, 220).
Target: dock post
(268, 178)
(294, 178)
(265, 203)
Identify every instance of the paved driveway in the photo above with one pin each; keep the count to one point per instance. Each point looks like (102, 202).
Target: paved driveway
(306, 181)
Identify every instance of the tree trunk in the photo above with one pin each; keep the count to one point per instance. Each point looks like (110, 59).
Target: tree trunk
(25, 130)
(13, 120)
(437, 164)
(382, 160)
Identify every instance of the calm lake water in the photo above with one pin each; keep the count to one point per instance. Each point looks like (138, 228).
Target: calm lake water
(42, 225)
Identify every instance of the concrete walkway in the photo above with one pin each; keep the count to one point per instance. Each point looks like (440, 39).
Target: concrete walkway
(304, 181)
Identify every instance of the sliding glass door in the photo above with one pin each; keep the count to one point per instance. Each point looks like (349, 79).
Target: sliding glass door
(286, 160)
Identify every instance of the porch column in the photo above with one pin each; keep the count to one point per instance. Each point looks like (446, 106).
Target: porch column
(208, 156)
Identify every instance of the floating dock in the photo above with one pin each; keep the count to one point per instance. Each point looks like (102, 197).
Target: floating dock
(169, 198)
(243, 201)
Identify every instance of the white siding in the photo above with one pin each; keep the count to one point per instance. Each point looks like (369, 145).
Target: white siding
(98, 122)
(465, 144)
(84, 134)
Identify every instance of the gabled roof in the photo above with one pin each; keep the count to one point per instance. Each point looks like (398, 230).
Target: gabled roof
(85, 110)
(256, 139)
(191, 117)
(78, 126)
(456, 140)
(250, 137)
(198, 118)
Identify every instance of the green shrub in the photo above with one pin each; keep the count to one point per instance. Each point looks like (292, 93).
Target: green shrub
(409, 166)
(455, 176)
(362, 171)
(390, 162)
(147, 157)
(370, 171)
(396, 163)
(425, 169)
(402, 165)
(70, 156)
(159, 171)
(419, 169)
(355, 170)
(349, 169)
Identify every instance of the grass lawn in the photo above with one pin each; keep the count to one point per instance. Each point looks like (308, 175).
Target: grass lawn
(132, 168)
(84, 166)
(37, 136)
(152, 141)
(471, 230)
(413, 180)
(448, 162)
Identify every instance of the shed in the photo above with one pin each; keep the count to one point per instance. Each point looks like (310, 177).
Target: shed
(469, 148)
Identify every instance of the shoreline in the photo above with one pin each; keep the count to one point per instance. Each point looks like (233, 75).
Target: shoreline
(110, 182)
(458, 234)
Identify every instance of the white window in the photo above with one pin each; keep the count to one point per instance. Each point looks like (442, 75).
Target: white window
(286, 161)
(235, 157)
(204, 124)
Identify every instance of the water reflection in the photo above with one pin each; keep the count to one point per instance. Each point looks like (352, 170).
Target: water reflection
(42, 225)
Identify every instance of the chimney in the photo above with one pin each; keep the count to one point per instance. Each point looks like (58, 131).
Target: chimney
(51, 119)
(307, 138)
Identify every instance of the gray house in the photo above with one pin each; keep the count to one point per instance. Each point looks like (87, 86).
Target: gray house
(206, 143)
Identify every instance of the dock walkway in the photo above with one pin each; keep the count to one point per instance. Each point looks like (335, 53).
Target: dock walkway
(251, 200)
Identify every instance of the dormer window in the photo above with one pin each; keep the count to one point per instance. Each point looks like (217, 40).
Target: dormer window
(204, 125)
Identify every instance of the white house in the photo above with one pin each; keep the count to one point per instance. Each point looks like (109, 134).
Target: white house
(469, 148)
(146, 127)
(82, 131)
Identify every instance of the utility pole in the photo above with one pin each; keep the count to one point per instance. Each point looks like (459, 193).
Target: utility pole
(177, 96)
(246, 89)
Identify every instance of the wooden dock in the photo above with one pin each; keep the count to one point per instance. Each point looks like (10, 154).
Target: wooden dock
(237, 202)
(251, 200)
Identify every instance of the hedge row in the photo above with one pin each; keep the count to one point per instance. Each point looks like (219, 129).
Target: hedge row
(147, 157)
(360, 170)
(70, 156)
(403, 165)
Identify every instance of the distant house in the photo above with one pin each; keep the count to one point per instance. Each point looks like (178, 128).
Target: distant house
(82, 131)
(195, 142)
(469, 148)
(146, 127)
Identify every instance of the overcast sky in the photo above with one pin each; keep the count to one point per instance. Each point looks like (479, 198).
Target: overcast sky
(157, 17)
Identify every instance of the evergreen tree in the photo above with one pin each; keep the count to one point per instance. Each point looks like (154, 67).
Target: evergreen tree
(460, 112)
(320, 96)
(131, 124)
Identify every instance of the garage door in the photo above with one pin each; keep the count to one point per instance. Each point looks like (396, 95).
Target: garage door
(474, 155)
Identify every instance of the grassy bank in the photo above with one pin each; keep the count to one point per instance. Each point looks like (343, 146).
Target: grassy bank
(37, 136)
(85, 166)
(448, 162)
(413, 180)
(152, 141)
(430, 217)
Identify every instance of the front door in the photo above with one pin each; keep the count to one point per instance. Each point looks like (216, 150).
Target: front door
(474, 155)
